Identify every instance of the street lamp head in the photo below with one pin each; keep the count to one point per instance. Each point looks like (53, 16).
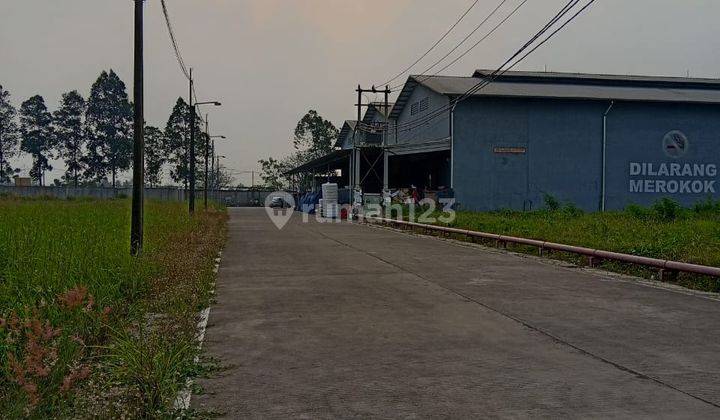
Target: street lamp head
(216, 103)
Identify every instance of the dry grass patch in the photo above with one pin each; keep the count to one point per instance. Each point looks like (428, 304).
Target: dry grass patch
(86, 331)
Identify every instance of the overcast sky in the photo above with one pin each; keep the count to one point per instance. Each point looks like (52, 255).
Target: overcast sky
(269, 61)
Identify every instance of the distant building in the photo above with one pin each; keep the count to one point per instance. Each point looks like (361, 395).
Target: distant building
(23, 181)
(597, 141)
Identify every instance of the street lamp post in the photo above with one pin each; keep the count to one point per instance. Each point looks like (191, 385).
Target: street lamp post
(192, 144)
(136, 223)
(252, 179)
(212, 160)
(208, 137)
(217, 174)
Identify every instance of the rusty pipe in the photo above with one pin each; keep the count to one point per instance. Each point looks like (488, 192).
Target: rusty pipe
(596, 253)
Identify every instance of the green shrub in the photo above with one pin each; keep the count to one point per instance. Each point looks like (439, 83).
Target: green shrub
(708, 206)
(638, 212)
(667, 209)
(571, 210)
(551, 203)
(153, 365)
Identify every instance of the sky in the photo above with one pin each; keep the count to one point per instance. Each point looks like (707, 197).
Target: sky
(270, 61)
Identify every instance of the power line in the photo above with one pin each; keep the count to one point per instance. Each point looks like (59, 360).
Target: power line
(174, 42)
(466, 52)
(477, 27)
(414, 124)
(552, 34)
(442, 38)
(176, 49)
(501, 70)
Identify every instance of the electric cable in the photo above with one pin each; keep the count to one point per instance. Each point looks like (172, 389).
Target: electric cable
(501, 70)
(462, 42)
(442, 38)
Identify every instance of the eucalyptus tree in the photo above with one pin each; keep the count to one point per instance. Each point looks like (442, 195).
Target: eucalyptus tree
(155, 156)
(70, 134)
(9, 136)
(37, 136)
(108, 121)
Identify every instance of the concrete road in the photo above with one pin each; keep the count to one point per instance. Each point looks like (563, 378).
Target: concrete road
(341, 320)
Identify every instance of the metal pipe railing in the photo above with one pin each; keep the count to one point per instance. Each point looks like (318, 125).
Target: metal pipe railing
(667, 265)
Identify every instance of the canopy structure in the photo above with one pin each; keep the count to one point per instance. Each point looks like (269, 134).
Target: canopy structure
(337, 159)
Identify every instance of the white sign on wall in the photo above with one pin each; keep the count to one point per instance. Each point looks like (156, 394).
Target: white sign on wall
(673, 177)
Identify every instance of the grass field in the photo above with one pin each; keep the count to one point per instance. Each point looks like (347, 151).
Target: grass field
(87, 330)
(664, 231)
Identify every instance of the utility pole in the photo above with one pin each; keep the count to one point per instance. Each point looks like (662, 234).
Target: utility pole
(136, 224)
(217, 173)
(212, 163)
(192, 149)
(357, 151)
(207, 155)
(386, 154)
(355, 156)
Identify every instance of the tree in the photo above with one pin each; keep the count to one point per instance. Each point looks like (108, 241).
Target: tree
(314, 135)
(155, 156)
(9, 135)
(37, 135)
(224, 178)
(177, 136)
(109, 121)
(70, 134)
(272, 173)
(202, 141)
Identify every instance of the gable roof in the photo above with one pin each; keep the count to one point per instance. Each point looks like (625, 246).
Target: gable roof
(376, 108)
(569, 86)
(346, 130)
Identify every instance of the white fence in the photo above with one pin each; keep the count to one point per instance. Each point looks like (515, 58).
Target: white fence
(233, 198)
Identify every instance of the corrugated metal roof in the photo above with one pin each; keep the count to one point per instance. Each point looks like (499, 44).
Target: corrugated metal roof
(571, 86)
(376, 108)
(346, 130)
(380, 107)
(605, 79)
(330, 160)
(575, 91)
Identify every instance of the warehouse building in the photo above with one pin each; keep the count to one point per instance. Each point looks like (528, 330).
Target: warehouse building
(358, 156)
(596, 141)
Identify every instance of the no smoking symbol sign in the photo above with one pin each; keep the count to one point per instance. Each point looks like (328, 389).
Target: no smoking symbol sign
(675, 144)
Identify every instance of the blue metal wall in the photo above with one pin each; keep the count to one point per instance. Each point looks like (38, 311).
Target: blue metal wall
(508, 153)
(635, 136)
(436, 129)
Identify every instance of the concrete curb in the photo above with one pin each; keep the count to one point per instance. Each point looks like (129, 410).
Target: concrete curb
(182, 401)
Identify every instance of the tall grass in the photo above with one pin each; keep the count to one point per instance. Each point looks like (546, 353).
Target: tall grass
(65, 266)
